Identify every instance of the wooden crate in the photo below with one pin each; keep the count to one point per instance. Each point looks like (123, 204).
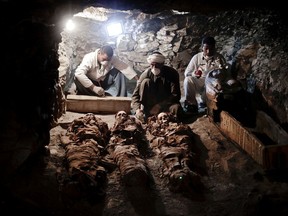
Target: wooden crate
(272, 153)
(93, 104)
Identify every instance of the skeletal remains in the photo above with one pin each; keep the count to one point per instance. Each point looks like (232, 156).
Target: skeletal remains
(84, 144)
(173, 143)
(91, 149)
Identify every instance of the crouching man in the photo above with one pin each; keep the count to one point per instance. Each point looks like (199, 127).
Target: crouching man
(157, 90)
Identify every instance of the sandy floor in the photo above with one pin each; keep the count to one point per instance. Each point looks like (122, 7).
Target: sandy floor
(233, 184)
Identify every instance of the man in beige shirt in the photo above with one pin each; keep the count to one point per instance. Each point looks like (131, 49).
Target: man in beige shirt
(99, 71)
(199, 66)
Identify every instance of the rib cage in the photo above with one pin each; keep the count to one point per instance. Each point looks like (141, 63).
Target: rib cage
(126, 135)
(173, 143)
(84, 145)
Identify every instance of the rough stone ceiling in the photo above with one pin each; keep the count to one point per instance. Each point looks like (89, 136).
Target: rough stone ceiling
(151, 5)
(54, 9)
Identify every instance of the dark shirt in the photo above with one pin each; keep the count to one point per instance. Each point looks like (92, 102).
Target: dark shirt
(163, 89)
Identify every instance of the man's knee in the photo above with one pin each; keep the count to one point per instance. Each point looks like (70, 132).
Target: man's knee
(189, 83)
(114, 71)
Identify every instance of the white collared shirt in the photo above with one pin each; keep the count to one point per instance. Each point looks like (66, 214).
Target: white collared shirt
(91, 69)
(199, 62)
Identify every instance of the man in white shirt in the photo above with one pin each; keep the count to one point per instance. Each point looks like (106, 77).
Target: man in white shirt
(199, 66)
(99, 71)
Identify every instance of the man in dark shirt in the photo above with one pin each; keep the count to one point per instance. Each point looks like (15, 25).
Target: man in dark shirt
(157, 90)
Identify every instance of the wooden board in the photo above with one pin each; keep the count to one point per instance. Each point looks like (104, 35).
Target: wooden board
(93, 104)
(271, 155)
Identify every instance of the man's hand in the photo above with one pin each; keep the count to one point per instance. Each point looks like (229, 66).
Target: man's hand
(198, 73)
(136, 77)
(139, 114)
(99, 91)
(156, 109)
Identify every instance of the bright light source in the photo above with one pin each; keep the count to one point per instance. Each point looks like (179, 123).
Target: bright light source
(114, 29)
(70, 25)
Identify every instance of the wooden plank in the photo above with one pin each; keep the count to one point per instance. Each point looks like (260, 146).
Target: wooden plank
(269, 155)
(267, 125)
(93, 104)
(237, 133)
(275, 156)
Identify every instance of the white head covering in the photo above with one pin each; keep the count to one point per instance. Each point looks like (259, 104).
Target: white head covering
(156, 57)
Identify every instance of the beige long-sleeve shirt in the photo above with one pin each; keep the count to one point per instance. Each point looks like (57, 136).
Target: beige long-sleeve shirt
(199, 62)
(91, 69)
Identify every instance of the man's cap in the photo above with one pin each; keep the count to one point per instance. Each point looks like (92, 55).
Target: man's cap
(156, 58)
(208, 40)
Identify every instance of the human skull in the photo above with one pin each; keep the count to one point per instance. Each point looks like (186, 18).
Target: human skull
(163, 117)
(121, 115)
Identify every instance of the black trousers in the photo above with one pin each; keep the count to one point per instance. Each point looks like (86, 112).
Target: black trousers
(114, 84)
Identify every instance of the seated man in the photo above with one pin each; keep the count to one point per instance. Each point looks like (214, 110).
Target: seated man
(196, 71)
(157, 90)
(99, 71)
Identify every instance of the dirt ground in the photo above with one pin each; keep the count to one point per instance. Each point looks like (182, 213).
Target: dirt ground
(233, 183)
